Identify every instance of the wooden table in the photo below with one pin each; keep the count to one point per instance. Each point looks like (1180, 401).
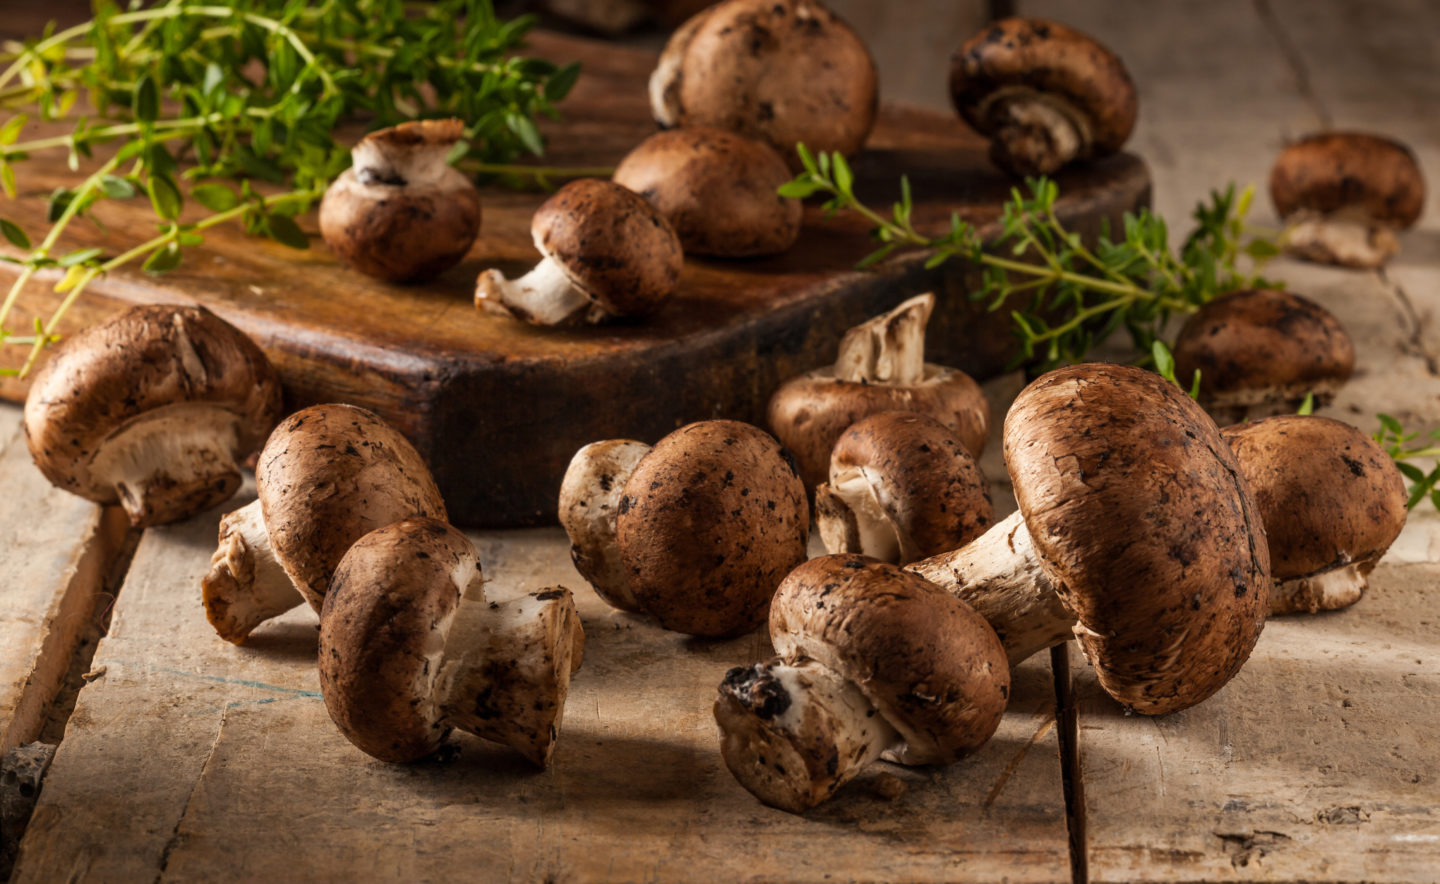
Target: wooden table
(188, 759)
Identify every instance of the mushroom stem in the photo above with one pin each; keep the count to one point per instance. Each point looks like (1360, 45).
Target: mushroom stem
(505, 668)
(1337, 239)
(1327, 591)
(246, 584)
(545, 296)
(999, 575)
(794, 732)
(590, 497)
(172, 464)
(889, 349)
(408, 155)
(852, 519)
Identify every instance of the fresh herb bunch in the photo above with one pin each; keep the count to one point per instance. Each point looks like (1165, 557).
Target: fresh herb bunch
(247, 95)
(1074, 296)
(1397, 442)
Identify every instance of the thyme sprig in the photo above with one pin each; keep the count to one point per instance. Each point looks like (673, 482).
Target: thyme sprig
(1071, 296)
(1398, 444)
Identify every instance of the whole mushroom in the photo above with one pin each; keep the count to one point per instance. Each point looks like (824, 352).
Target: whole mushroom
(881, 367)
(785, 72)
(704, 527)
(410, 648)
(606, 253)
(153, 408)
(1045, 94)
(873, 662)
(328, 475)
(401, 212)
(1344, 195)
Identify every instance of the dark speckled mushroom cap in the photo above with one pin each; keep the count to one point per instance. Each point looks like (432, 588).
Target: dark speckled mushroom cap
(611, 244)
(329, 475)
(1339, 172)
(933, 666)
(1139, 513)
(712, 519)
(382, 632)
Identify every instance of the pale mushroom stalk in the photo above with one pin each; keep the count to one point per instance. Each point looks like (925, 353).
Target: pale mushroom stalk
(889, 349)
(1327, 591)
(1347, 238)
(246, 584)
(851, 517)
(175, 454)
(546, 295)
(403, 162)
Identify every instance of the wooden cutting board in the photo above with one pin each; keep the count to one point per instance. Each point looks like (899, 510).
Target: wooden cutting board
(498, 407)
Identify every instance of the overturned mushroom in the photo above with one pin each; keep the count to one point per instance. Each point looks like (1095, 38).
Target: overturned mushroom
(1045, 95)
(873, 661)
(1332, 502)
(328, 475)
(707, 524)
(605, 253)
(881, 367)
(401, 212)
(1344, 195)
(152, 408)
(410, 648)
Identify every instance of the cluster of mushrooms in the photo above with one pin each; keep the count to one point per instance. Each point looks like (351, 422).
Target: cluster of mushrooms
(1156, 538)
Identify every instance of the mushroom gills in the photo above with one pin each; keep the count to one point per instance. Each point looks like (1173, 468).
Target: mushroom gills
(1248, 404)
(1036, 133)
(793, 732)
(1326, 591)
(246, 584)
(171, 462)
(545, 296)
(1347, 239)
(853, 519)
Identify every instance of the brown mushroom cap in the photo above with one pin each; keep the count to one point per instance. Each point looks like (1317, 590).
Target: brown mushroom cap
(1139, 512)
(931, 665)
(381, 636)
(149, 362)
(717, 189)
(1052, 63)
(711, 521)
(329, 475)
(401, 213)
(1262, 346)
(782, 71)
(1332, 173)
(1328, 494)
(611, 244)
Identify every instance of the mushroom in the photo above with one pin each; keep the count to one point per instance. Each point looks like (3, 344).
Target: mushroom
(873, 662)
(784, 71)
(1045, 94)
(902, 487)
(606, 253)
(1135, 521)
(401, 212)
(881, 367)
(1260, 351)
(329, 475)
(704, 527)
(1344, 195)
(1332, 502)
(410, 648)
(153, 408)
(717, 189)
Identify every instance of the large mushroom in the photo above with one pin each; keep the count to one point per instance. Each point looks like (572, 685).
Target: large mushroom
(1332, 502)
(401, 212)
(880, 367)
(873, 662)
(704, 527)
(1045, 94)
(410, 648)
(1344, 195)
(605, 254)
(329, 475)
(1136, 531)
(153, 408)
(783, 71)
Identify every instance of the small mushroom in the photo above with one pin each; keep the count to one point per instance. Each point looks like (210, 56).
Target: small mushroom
(1135, 521)
(401, 212)
(1344, 195)
(902, 487)
(717, 189)
(606, 253)
(1332, 502)
(153, 408)
(1045, 94)
(783, 71)
(881, 367)
(706, 525)
(1260, 351)
(873, 662)
(329, 475)
(410, 648)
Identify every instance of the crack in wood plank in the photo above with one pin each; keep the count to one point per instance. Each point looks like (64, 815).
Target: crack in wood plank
(1415, 344)
(1295, 61)
(175, 834)
(1014, 763)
